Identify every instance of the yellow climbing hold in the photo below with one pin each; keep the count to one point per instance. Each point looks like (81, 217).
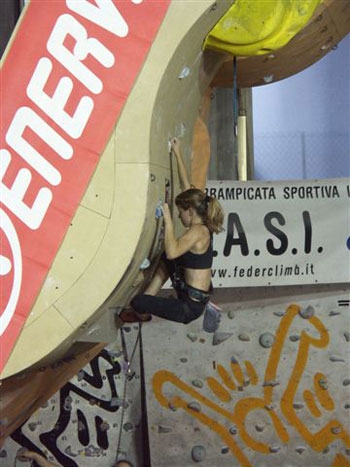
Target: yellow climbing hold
(257, 27)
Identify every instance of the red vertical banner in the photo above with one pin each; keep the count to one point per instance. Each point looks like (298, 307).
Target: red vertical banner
(64, 82)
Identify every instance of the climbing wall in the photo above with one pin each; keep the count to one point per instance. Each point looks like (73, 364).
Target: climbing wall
(269, 388)
(94, 417)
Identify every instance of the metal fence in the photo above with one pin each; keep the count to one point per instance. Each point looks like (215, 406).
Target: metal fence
(301, 155)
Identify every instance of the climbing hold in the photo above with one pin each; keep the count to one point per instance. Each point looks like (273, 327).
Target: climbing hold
(117, 402)
(336, 430)
(244, 337)
(185, 72)
(298, 406)
(346, 382)
(279, 313)
(80, 375)
(195, 406)
(128, 426)
(300, 449)
(268, 78)
(130, 374)
(259, 428)
(271, 383)
(104, 426)
(307, 312)
(323, 383)
(88, 452)
(145, 264)
(334, 313)
(172, 407)
(164, 429)
(274, 448)
(183, 360)
(347, 336)
(294, 338)
(67, 404)
(159, 210)
(266, 340)
(197, 383)
(231, 314)
(115, 353)
(198, 453)
(69, 451)
(192, 336)
(335, 358)
(224, 450)
(220, 337)
(81, 426)
(233, 430)
(92, 451)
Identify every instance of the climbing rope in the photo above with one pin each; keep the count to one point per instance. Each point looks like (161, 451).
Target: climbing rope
(235, 104)
(128, 373)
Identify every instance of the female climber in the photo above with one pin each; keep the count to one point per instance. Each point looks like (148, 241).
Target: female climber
(187, 259)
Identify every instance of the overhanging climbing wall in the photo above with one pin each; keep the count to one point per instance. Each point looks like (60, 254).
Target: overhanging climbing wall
(85, 130)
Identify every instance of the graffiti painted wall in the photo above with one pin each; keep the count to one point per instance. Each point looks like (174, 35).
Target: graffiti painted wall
(269, 388)
(93, 418)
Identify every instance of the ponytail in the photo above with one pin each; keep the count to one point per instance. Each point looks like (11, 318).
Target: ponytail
(215, 215)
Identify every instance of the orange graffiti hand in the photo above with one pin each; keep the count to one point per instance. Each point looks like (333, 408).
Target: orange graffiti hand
(246, 405)
(222, 388)
(161, 381)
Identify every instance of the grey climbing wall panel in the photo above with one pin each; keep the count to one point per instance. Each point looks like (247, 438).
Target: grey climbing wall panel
(270, 388)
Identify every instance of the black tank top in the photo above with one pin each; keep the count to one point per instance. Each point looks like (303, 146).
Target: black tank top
(197, 261)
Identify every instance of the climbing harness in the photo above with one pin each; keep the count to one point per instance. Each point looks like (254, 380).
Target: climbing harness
(194, 294)
(180, 285)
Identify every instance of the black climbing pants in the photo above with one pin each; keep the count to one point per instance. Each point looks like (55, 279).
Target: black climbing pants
(182, 309)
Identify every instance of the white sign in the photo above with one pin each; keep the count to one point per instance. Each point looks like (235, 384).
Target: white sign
(282, 233)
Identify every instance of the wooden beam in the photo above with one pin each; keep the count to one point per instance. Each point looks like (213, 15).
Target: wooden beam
(22, 394)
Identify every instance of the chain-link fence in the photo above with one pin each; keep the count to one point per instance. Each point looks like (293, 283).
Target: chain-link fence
(301, 155)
